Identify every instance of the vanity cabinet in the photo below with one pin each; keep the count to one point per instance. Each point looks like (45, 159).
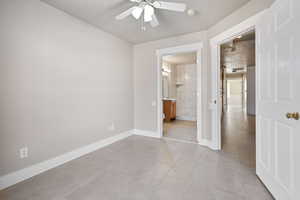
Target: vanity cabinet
(169, 108)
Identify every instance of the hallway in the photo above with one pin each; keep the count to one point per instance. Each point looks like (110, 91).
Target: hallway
(238, 136)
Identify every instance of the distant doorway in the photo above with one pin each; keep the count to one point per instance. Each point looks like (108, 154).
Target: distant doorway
(238, 98)
(179, 93)
(179, 88)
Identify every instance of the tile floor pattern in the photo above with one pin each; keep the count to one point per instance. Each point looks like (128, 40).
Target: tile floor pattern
(181, 130)
(141, 168)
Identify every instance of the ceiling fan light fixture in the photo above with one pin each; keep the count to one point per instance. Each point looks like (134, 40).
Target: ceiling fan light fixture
(148, 13)
(146, 10)
(137, 12)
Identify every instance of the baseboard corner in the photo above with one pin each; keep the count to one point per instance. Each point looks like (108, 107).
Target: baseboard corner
(207, 143)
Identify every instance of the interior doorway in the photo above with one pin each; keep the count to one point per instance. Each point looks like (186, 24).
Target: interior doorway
(185, 51)
(179, 92)
(237, 67)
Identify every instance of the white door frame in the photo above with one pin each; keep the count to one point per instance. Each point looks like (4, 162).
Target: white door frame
(195, 47)
(215, 45)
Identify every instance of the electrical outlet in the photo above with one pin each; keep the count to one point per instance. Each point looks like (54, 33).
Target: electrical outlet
(23, 152)
(111, 127)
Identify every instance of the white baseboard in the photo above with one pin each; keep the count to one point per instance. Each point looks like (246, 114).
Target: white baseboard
(207, 143)
(180, 140)
(26, 173)
(204, 142)
(186, 118)
(146, 133)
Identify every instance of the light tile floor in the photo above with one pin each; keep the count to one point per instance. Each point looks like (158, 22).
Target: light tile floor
(181, 130)
(238, 135)
(141, 168)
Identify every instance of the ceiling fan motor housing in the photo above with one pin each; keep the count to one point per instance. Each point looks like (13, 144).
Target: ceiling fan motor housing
(148, 8)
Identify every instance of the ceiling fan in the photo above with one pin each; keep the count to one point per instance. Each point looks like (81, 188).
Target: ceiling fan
(145, 9)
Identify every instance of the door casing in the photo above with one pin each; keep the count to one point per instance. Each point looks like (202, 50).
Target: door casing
(215, 44)
(194, 47)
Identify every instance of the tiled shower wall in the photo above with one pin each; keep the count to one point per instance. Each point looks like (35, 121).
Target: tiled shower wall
(186, 90)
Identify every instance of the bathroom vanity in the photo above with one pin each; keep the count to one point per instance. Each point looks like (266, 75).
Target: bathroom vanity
(169, 109)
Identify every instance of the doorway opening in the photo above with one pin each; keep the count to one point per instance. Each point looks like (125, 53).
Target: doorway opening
(165, 95)
(237, 86)
(179, 96)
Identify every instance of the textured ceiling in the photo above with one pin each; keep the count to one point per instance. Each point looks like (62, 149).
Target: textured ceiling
(101, 13)
(182, 58)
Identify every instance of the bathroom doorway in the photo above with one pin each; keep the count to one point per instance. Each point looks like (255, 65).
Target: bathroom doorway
(179, 96)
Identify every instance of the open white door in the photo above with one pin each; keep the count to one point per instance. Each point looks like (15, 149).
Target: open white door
(278, 74)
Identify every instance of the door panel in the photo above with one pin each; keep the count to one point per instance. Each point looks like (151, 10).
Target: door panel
(265, 127)
(278, 138)
(283, 56)
(283, 154)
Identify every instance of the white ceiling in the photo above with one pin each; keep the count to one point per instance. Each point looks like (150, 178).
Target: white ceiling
(182, 58)
(101, 13)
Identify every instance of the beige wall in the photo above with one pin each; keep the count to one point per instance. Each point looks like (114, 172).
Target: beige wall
(145, 61)
(62, 82)
(248, 10)
(145, 78)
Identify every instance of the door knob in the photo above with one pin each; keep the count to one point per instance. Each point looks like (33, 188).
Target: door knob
(295, 116)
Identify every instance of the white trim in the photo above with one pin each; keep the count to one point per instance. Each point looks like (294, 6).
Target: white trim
(195, 47)
(186, 118)
(204, 142)
(26, 173)
(215, 43)
(179, 140)
(208, 143)
(146, 133)
(237, 30)
(180, 49)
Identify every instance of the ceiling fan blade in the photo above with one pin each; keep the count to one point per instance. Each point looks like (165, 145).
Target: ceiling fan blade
(126, 13)
(179, 7)
(154, 22)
